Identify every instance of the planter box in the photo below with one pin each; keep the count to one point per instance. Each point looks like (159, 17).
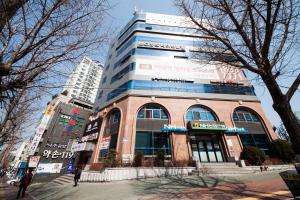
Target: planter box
(292, 180)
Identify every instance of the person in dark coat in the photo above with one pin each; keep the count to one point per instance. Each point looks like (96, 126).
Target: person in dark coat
(77, 175)
(24, 183)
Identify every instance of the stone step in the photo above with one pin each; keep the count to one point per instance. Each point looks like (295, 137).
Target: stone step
(220, 164)
(65, 179)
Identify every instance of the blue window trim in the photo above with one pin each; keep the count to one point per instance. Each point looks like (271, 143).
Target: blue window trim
(100, 94)
(140, 25)
(123, 72)
(136, 39)
(103, 80)
(164, 53)
(180, 87)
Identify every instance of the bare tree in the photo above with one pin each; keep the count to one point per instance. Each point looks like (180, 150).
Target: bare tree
(17, 116)
(259, 36)
(37, 42)
(8, 9)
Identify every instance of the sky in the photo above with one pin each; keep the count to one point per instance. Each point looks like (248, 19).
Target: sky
(123, 10)
(120, 14)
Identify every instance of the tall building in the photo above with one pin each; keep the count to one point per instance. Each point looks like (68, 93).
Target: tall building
(61, 125)
(84, 81)
(165, 95)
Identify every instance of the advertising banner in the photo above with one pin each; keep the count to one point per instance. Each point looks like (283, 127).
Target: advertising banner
(49, 168)
(33, 161)
(189, 70)
(105, 142)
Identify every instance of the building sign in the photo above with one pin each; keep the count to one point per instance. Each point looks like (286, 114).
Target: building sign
(56, 154)
(173, 128)
(91, 131)
(84, 146)
(215, 126)
(49, 168)
(236, 130)
(169, 20)
(156, 45)
(56, 145)
(181, 69)
(105, 142)
(230, 147)
(33, 161)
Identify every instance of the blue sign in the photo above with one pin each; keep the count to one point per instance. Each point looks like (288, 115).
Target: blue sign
(236, 131)
(170, 128)
(70, 167)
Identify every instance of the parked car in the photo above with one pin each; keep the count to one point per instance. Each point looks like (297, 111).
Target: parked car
(14, 181)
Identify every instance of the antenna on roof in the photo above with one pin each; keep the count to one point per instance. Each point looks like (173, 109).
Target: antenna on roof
(135, 10)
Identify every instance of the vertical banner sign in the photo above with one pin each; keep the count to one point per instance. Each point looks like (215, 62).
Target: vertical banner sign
(39, 131)
(70, 166)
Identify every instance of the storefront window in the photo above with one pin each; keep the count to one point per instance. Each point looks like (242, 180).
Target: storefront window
(150, 142)
(256, 135)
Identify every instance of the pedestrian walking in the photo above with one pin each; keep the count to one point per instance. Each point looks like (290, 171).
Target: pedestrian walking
(24, 183)
(77, 175)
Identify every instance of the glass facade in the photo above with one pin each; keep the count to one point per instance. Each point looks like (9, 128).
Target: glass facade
(249, 119)
(150, 142)
(181, 87)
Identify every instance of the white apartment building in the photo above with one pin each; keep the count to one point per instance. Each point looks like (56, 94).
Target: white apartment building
(21, 154)
(84, 81)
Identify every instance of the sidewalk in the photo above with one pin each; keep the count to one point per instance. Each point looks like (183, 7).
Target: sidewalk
(9, 192)
(266, 186)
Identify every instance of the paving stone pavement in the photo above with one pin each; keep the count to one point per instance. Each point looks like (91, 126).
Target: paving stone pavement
(266, 186)
(9, 192)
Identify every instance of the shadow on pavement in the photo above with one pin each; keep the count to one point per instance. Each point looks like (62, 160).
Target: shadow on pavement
(201, 188)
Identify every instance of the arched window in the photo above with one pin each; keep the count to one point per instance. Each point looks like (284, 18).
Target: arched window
(200, 113)
(256, 135)
(152, 111)
(149, 137)
(243, 115)
(111, 130)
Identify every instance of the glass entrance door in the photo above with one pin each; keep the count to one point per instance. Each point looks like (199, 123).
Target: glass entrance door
(211, 151)
(202, 149)
(207, 150)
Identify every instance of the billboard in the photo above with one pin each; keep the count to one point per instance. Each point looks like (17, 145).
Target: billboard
(33, 161)
(188, 70)
(49, 168)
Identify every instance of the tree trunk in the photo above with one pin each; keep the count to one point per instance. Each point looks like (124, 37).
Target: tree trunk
(291, 124)
(282, 106)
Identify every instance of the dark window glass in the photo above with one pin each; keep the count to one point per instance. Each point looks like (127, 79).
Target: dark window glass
(141, 114)
(164, 115)
(241, 116)
(156, 114)
(189, 116)
(196, 115)
(248, 117)
(235, 117)
(255, 118)
(210, 116)
(148, 113)
(203, 116)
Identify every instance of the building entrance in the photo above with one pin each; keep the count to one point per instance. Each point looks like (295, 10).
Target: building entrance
(206, 149)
